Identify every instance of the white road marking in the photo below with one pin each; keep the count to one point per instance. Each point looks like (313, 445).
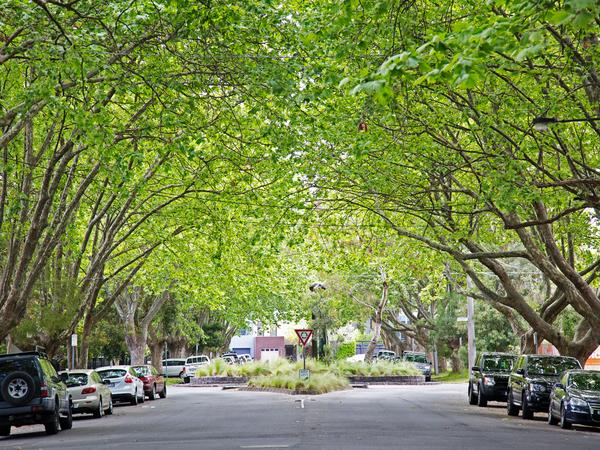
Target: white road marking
(265, 446)
(302, 403)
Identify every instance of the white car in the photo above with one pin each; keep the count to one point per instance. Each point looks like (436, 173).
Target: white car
(123, 383)
(191, 365)
(88, 392)
(245, 358)
(173, 367)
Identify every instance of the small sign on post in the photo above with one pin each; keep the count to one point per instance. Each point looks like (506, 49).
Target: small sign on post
(304, 336)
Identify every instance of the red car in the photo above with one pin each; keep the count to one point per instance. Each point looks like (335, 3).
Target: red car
(154, 382)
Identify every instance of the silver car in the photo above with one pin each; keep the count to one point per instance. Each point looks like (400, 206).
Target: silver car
(123, 383)
(89, 393)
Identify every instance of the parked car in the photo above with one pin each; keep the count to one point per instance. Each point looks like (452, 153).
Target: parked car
(173, 366)
(387, 355)
(488, 378)
(89, 393)
(154, 382)
(419, 359)
(531, 381)
(245, 358)
(231, 357)
(31, 392)
(575, 399)
(191, 365)
(123, 383)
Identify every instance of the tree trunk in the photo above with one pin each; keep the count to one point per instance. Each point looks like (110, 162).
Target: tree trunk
(156, 351)
(377, 319)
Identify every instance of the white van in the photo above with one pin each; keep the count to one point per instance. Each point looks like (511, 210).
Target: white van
(191, 364)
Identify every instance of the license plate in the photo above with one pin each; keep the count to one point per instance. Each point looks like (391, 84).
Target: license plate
(111, 384)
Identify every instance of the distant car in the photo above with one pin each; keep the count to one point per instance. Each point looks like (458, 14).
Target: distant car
(387, 355)
(123, 383)
(488, 379)
(154, 382)
(245, 358)
(191, 365)
(419, 359)
(575, 399)
(89, 393)
(31, 392)
(531, 381)
(173, 366)
(230, 357)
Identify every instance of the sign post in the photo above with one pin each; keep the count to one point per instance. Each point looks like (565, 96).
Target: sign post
(304, 336)
(73, 349)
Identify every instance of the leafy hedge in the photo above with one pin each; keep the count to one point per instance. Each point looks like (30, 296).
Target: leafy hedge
(346, 350)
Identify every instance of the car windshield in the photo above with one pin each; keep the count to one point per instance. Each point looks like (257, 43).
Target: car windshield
(76, 379)
(551, 365)
(499, 363)
(585, 381)
(416, 358)
(112, 373)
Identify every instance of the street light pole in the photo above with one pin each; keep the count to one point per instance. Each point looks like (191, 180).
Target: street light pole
(472, 350)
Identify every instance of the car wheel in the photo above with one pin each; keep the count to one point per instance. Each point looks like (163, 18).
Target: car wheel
(527, 411)
(481, 399)
(163, 393)
(564, 422)
(551, 419)
(143, 397)
(109, 410)
(66, 423)
(53, 425)
(18, 388)
(5, 430)
(100, 410)
(427, 378)
(152, 393)
(511, 408)
(134, 399)
(472, 397)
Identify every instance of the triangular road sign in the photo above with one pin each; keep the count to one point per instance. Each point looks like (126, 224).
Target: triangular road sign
(304, 336)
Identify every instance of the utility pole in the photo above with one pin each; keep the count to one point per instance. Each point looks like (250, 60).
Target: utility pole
(470, 326)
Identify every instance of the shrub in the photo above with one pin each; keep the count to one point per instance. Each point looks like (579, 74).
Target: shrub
(318, 382)
(376, 369)
(345, 350)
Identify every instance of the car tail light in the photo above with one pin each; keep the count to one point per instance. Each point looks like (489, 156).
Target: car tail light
(128, 379)
(144, 379)
(89, 390)
(44, 390)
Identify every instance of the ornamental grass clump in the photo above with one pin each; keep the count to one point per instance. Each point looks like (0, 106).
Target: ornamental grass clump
(375, 369)
(318, 383)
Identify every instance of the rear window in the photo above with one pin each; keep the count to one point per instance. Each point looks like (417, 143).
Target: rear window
(76, 379)
(141, 371)
(112, 373)
(18, 364)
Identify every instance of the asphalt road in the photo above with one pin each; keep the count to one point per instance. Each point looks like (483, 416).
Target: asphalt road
(407, 417)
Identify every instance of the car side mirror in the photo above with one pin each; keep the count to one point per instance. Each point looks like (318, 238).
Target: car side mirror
(475, 369)
(559, 385)
(520, 371)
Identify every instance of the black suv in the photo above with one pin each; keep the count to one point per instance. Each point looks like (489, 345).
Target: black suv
(31, 392)
(419, 359)
(531, 381)
(489, 378)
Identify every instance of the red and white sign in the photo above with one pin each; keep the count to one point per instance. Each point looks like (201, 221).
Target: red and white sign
(304, 336)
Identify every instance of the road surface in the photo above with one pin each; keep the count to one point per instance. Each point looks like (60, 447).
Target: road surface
(407, 417)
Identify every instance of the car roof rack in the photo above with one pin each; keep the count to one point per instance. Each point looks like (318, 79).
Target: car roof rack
(31, 353)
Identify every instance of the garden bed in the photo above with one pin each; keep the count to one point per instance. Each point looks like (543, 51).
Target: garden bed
(217, 380)
(392, 379)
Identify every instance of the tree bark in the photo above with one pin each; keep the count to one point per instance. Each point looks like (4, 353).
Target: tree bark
(377, 318)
